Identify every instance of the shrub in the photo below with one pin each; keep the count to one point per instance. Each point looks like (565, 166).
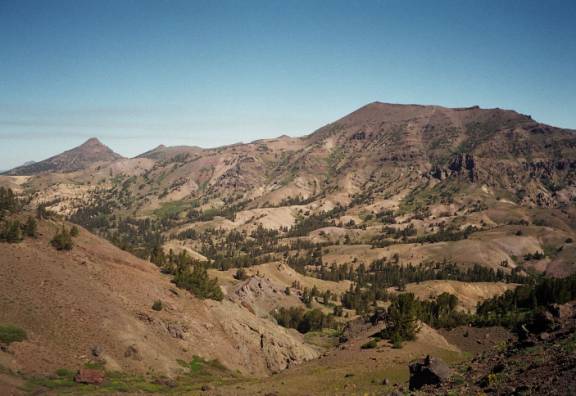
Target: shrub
(373, 343)
(8, 201)
(42, 212)
(31, 227)
(157, 306)
(396, 340)
(11, 232)
(74, 231)
(241, 274)
(10, 334)
(62, 240)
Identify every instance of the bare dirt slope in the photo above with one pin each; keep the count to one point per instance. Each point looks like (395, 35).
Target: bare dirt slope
(284, 276)
(99, 296)
(469, 294)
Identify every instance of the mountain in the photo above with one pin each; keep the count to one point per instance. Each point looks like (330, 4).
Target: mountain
(170, 153)
(361, 180)
(501, 148)
(89, 153)
(302, 243)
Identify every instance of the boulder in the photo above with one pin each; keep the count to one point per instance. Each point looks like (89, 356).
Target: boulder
(96, 351)
(562, 312)
(428, 371)
(89, 376)
(542, 321)
(133, 353)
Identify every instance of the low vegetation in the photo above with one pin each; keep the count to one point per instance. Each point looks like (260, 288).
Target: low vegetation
(63, 239)
(10, 334)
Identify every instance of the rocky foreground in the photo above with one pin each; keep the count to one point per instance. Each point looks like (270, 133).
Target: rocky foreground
(540, 361)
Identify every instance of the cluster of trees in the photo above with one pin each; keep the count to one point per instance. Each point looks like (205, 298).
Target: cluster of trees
(512, 309)
(13, 230)
(401, 319)
(137, 236)
(8, 202)
(303, 320)
(309, 295)
(406, 311)
(534, 256)
(384, 273)
(446, 234)
(305, 258)
(372, 283)
(297, 200)
(187, 273)
(237, 249)
(306, 224)
(386, 216)
(517, 305)
(391, 235)
(391, 273)
(361, 299)
(441, 312)
(228, 211)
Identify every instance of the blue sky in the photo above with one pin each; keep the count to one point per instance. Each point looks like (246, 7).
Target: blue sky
(140, 73)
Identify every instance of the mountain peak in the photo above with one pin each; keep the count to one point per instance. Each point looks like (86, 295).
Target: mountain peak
(92, 142)
(88, 153)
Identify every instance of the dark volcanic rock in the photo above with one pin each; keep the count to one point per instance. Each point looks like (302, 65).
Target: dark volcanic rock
(428, 371)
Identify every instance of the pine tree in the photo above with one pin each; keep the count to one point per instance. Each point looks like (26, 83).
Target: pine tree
(402, 324)
(12, 232)
(74, 231)
(31, 227)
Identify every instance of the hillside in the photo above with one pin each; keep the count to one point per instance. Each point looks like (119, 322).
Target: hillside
(97, 296)
(312, 240)
(410, 185)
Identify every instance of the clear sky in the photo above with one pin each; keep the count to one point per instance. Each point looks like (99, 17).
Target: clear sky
(140, 73)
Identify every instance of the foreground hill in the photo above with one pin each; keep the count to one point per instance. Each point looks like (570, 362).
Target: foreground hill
(90, 152)
(96, 302)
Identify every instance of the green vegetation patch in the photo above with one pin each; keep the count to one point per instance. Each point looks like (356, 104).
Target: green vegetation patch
(172, 209)
(198, 372)
(420, 198)
(10, 334)
(325, 338)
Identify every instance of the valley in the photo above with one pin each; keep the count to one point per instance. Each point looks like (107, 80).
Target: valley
(321, 264)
